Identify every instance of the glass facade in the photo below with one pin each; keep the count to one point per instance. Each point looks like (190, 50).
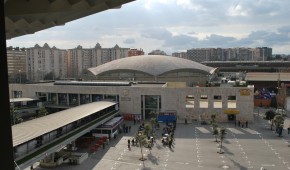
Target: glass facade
(52, 98)
(150, 105)
(97, 97)
(84, 98)
(73, 99)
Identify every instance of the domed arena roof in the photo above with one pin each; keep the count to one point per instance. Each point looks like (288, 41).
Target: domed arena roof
(154, 65)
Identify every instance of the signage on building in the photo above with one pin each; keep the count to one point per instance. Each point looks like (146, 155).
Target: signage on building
(245, 92)
(231, 111)
(125, 98)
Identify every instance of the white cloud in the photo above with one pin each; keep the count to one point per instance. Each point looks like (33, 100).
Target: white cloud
(237, 10)
(187, 4)
(174, 25)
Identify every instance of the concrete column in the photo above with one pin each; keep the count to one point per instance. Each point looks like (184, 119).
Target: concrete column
(67, 99)
(79, 99)
(57, 102)
(143, 114)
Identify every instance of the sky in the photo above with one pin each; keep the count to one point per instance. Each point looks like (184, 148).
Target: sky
(175, 26)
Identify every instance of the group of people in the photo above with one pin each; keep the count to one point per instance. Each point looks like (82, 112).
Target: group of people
(242, 124)
(126, 128)
(168, 134)
(132, 142)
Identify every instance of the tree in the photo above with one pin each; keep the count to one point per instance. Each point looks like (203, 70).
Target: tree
(42, 112)
(15, 116)
(213, 119)
(147, 130)
(269, 115)
(141, 138)
(153, 122)
(18, 118)
(215, 132)
(49, 76)
(222, 135)
(214, 126)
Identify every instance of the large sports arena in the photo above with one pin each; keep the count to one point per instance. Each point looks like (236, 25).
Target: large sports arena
(153, 68)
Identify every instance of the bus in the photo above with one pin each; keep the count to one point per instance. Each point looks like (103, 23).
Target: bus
(109, 128)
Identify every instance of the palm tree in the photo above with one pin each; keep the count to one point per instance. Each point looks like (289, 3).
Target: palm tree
(215, 131)
(141, 138)
(222, 133)
(153, 123)
(147, 129)
(213, 118)
(214, 126)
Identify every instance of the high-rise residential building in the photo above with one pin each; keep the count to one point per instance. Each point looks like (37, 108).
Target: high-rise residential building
(110, 54)
(229, 54)
(157, 52)
(16, 60)
(197, 54)
(180, 55)
(79, 58)
(265, 53)
(135, 52)
(45, 63)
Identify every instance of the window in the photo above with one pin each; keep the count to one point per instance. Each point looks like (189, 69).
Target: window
(189, 101)
(203, 102)
(217, 101)
(232, 103)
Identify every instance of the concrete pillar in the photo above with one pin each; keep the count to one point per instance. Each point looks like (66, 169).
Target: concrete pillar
(67, 99)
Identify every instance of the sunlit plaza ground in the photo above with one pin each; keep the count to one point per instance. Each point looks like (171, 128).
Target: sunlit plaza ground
(255, 147)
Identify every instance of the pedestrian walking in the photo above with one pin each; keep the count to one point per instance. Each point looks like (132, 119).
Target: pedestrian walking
(128, 143)
(239, 123)
(133, 142)
(288, 129)
(134, 121)
(246, 124)
(280, 131)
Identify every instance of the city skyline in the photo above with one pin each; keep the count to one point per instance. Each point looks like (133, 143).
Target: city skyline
(173, 26)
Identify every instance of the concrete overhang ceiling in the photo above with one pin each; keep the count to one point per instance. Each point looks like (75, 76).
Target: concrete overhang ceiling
(29, 16)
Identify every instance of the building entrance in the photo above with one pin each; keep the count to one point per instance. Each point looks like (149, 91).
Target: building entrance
(231, 117)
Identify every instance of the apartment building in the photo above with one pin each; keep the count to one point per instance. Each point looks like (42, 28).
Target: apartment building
(79, 58)
(157, 52)
(228, 54)
(135, 52)
(16, 60)
(180, 55)
(45, 63)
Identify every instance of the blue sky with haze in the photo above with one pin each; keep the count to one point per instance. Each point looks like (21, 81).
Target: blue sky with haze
(174, 26)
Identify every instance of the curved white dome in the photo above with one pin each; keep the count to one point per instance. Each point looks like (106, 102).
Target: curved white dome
(154, 65)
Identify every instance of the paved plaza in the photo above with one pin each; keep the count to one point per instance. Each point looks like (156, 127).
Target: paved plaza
(255, 147)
